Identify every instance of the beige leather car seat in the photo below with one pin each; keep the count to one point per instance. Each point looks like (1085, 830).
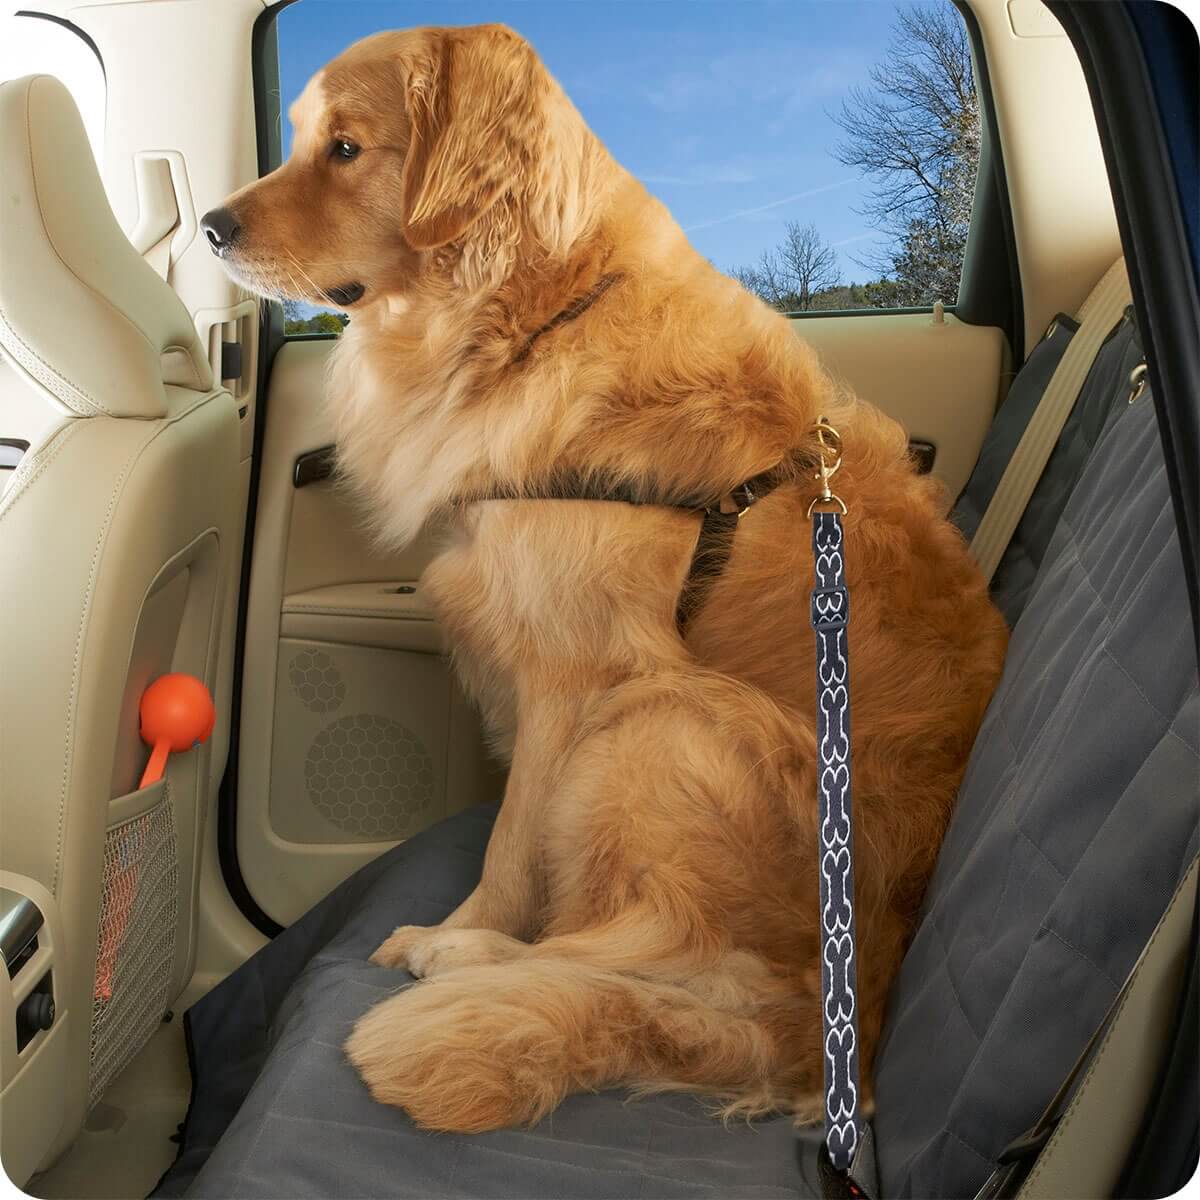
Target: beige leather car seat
(115, 535)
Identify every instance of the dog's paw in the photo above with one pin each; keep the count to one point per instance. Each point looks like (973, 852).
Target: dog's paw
(427, 952)
(395, 951)
(448, 1057)
(808, 1109)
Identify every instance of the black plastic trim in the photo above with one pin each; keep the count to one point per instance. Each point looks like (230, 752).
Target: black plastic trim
(268, 104)
(82, 34)
(265, 66)
(991, 258)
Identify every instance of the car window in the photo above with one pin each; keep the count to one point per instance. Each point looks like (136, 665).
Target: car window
(31, 45)
(822, 154)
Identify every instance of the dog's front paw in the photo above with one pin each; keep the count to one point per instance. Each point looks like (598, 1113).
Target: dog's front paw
(396, 950)
(433, 951)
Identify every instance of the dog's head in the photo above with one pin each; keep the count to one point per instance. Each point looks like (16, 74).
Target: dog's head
(407, 143)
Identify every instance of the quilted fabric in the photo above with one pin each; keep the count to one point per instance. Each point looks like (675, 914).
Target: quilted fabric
(1075, 822)
(267, 1046)
(1102, 391)
(1074, 825)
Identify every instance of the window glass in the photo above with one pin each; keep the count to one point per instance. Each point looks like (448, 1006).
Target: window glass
(35, 46)
(824, 154)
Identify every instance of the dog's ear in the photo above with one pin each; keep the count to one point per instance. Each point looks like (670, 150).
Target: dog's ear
(474, 120)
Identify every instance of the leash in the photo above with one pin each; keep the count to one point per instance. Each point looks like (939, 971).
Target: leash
(830, 616)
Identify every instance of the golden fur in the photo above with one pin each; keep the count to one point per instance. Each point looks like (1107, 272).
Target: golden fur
(647, 913)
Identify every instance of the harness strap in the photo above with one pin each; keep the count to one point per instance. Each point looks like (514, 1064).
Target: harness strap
(575, 309)
(720, 516)
(714, 544)
(713, 548)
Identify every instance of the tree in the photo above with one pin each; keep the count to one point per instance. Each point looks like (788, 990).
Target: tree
(327, 322)
(916, 132)
(791, 276)
(322, 322)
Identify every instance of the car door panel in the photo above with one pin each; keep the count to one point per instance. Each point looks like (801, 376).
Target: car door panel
(941, 379)
(354, 734)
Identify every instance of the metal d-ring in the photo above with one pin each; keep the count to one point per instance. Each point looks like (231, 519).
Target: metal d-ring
(829, 499)
(1137, 381)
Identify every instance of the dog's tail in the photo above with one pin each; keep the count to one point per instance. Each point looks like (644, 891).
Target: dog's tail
(484, 1047)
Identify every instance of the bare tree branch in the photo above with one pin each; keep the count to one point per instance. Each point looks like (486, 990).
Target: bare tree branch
(915, 132)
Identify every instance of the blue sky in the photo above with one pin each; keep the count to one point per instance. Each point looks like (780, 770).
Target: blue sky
(721, 107)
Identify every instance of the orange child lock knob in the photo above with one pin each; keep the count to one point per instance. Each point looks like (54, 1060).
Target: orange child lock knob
(177, 713)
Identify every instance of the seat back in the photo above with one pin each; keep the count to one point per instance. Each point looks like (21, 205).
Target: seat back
(1100, 393)
(115, 531)
(1077, 817)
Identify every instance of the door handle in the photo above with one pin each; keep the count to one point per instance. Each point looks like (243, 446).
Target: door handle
(314, 466)
(922, 454)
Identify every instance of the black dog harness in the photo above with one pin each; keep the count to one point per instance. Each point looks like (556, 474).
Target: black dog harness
(719, 518)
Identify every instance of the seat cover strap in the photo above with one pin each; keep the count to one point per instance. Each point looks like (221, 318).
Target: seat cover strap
(1100, 312)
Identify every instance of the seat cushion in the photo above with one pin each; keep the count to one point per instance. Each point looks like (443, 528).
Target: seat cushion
(277, 1110)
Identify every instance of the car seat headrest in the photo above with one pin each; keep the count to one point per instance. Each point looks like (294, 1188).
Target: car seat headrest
(81, 314)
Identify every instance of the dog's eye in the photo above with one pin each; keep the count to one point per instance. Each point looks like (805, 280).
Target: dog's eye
(343, 149)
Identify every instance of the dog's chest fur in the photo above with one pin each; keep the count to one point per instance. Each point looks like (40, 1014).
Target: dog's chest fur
(534, 594)
(563, 597)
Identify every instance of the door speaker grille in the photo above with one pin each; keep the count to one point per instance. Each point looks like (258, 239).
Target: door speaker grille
(371, 776)
(317, 681)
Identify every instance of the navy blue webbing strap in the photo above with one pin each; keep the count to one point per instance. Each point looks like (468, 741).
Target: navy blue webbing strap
(830, 614)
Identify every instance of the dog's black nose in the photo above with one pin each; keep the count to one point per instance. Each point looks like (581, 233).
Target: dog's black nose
(221, 228)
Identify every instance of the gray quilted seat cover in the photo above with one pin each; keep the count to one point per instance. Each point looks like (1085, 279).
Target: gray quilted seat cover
(269, 1040)
(1075, 822)
(1074, 825)
(1103, 389)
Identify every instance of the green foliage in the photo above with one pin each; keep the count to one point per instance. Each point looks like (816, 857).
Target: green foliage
(322, 322)
(879, 293)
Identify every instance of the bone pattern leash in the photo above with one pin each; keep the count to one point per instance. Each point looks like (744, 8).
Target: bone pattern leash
(830, 616)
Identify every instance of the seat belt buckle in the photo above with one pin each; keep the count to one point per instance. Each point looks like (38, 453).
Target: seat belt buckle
(829, 609)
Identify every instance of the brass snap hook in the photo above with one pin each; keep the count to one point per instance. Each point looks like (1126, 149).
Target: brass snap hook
(831, 447)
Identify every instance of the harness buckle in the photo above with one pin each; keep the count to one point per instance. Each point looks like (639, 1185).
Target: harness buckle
(829, 609)
(739, 501)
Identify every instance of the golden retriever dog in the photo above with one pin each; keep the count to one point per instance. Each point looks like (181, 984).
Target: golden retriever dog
(526, 318)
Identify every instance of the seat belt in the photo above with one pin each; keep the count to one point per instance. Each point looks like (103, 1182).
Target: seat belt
(1080, 1144)
(1100, 312)
(159, 256)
